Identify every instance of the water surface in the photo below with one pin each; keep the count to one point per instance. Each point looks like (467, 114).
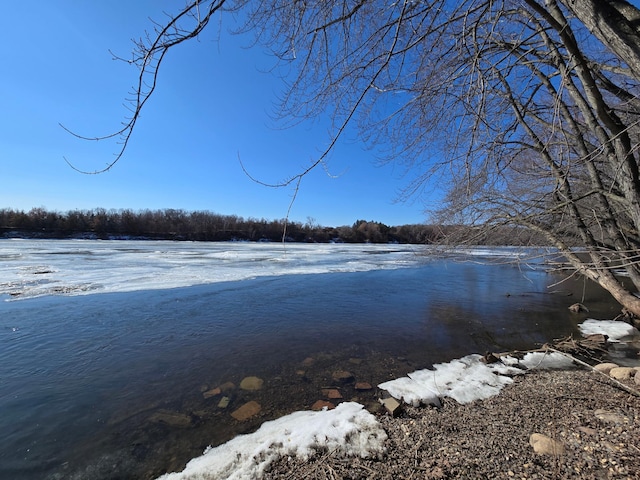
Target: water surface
(85, 373)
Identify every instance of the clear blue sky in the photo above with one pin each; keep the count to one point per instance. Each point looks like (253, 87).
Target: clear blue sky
(212, 104)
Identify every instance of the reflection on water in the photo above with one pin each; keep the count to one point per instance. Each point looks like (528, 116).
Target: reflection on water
(85, 381)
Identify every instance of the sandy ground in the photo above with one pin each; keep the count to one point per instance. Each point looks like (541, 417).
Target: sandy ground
(596, 423)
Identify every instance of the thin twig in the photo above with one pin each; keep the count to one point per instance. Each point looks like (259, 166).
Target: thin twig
(619, 384)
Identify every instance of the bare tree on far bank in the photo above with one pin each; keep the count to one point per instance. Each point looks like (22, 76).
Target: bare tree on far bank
(526, 111)
(177, 224)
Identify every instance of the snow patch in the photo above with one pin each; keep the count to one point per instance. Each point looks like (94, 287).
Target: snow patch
(348, 430)
(546, 361)
(465, 380)
(468, 379)
(614, 329)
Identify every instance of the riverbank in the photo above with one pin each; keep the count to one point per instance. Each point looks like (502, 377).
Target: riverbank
(596, 423)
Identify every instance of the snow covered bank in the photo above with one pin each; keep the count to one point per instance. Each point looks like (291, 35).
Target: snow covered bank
(467, 379)
(348, 429)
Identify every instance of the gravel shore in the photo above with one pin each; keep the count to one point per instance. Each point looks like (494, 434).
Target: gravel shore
(595, 423)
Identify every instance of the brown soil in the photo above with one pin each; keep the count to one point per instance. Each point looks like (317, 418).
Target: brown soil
(596, 421)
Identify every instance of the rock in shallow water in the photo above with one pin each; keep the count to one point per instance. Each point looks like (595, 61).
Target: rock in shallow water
(342, 376)
(173, 419)
(251, 383)
(320, 404)
(212, 393)
(363, 386)
(247, 411)
(331, 393)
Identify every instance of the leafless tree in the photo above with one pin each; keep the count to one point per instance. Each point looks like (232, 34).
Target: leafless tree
(525, 110)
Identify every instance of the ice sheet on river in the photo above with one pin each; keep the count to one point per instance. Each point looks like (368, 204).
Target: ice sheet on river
(33, 268)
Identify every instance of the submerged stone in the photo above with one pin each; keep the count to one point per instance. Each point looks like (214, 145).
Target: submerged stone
(212, 393)
(224, 402)
(342, 376)
(610, 417)
(173, 419)
(251, 383)
(227, 387)
(247, 411)
(332, 393)
(362, 386)
(321, 404)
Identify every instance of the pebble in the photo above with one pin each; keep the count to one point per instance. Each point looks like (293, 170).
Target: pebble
(544, 445)
(391, 405)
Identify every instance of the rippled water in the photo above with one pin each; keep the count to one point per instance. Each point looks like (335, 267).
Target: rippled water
(83, 377)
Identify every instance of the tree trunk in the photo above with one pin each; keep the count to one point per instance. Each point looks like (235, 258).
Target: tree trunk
(615, 24)
(608, 281)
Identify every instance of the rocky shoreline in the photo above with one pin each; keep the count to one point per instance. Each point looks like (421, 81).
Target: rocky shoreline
(577, 424)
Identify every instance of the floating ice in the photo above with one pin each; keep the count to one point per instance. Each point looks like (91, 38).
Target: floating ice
(348, 430)
(614, 329)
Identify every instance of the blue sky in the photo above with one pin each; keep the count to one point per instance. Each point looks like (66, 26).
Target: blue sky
(213, 103)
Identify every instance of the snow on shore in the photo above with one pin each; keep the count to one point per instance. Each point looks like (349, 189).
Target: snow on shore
(467, 379)
(350, 430)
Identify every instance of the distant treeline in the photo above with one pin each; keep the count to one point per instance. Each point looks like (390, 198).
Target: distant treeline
(173, 224)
